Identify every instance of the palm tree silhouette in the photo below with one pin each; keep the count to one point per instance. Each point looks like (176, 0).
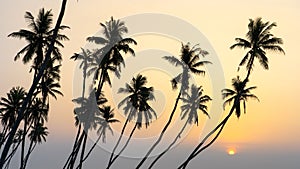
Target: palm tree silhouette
(190, 63)
(107, 117)
(39, 37)
(135, 106)
(238, 94)
(86, 57)
(109, 57)
(38, 134)
(191, 103)
(9, 110)
(28, 99)
(258, 40)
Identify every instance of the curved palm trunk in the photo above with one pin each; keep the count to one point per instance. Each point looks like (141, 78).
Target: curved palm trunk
(118, 142)
(124, 147)
(161, 134)
(33, 87)
(250, 68)
(170, 146)
(197, 150)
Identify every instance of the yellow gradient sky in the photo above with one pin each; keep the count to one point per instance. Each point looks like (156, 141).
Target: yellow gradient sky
(272, 121)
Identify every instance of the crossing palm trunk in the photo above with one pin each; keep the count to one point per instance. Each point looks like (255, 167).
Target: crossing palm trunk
(161, 134)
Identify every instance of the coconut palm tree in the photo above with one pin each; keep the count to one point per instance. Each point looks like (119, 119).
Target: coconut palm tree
(28, 99)
(109, 57)
(191, 103)
(39, 37)
(238, 95)
(9, 110)
(189, 62)
(259, 40)
(136, 106)
(107, 117)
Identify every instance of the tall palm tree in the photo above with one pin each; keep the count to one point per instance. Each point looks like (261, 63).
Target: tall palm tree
(39, 37)
(86, 57)
(259, 40)
(136, 106)
(191, 103)
(189, 62)
(51, 48)
(239, 94)
(109, 57)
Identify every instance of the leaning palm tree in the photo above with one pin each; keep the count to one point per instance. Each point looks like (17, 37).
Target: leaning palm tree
(238, 95)
(189, 62)
(136, 106)
(51, 47)
(109, 57)
(259, 40)
(191, 103)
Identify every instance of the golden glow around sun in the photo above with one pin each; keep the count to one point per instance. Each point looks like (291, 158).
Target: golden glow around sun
(231, 151)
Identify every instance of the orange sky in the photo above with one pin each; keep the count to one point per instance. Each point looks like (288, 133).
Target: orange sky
(274, 120)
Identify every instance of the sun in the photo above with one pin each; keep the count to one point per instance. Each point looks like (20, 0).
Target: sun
(231, 151)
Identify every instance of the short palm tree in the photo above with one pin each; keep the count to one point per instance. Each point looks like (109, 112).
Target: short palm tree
(107, 117)
(9, 107)
(136, 106)
(189, 62)
(109, 57)
(259, 40)
(239, 94)
(191, 104)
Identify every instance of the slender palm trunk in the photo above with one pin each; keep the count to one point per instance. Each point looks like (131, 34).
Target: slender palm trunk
(75, 153)
(250, 69)
(92, 148)
(170, 146)
(197, 150)
(124, 147)
(30, 150)
(74, 147)
(33, 87)
(161, 134)
(100, 84)
(118, 142)
(83, 149)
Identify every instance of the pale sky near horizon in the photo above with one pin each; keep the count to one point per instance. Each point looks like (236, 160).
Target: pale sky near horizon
(268, 135)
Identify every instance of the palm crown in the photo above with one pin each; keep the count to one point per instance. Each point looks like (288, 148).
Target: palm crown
(258, 40)
(196, 100)
(137, 102)
(190, 62)
(239, 94)
(38, 37)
